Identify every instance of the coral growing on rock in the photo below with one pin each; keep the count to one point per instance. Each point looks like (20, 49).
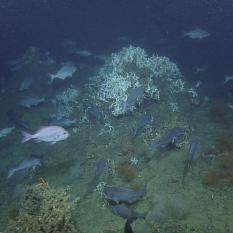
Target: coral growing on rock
(44, 209)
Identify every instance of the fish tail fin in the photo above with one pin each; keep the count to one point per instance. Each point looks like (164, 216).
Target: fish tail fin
(26, 137)
(10, 173)
(52, 76)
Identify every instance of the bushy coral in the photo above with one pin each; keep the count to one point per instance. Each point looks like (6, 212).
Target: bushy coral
(44, 209)
(128, 69)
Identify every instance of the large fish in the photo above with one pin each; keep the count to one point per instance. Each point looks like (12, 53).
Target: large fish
(51, 134)
(169, 137)
(125, 195)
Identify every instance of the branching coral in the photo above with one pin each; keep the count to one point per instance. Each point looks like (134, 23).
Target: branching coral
(129, 69)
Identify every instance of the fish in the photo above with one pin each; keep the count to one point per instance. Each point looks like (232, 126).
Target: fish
(29, 102)
(94, 113)
(51, 134)
(25, 164)
(25, 85)
(4, 132)
(2, 84)
(66, 71)
(125, 212)
(146, 119)
(128, 228)
(15, 119)
(227, 79)
(193, 146)
(83, 52)
(100, 166)
(200, 69)
(121, 194)
(197, 34)
(135, 97)
(64, 122)
(169, 137)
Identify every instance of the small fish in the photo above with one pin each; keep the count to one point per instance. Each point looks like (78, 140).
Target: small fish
(25, 164)
(29, 102)
(2, 84)
(200, 69)
(4, 132)
(64, 122)
(197, 34)
(25, 85)
(146, 119)
(100, 166)
(193, 146)
(15, 119)
(169, 137)
(83, 52)
(128, 228)
(66, 71)
(94, 113)
(125, 195)
(126, 212)
(135, 97)
(50, 134)
(227, 79)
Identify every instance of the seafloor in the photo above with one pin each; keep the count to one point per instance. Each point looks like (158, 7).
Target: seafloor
(203, 204)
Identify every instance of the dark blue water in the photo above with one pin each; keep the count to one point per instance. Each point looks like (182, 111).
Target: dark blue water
(104, 27)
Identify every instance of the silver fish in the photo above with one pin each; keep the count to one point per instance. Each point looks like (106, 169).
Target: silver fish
(50, 134)
(66, 71)
(29, 102)
(197, 33)
(25, 164)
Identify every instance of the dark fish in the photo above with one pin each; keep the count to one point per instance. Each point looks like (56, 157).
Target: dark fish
(125, 212)
(120, 194)
(36, 156)
(146, 119)
(25, 85)
(100, 166)
(170, 137)
(193, 146)
(128, 228)
(64, 122)
(15, 119)
(135, 97)
(95, 113)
